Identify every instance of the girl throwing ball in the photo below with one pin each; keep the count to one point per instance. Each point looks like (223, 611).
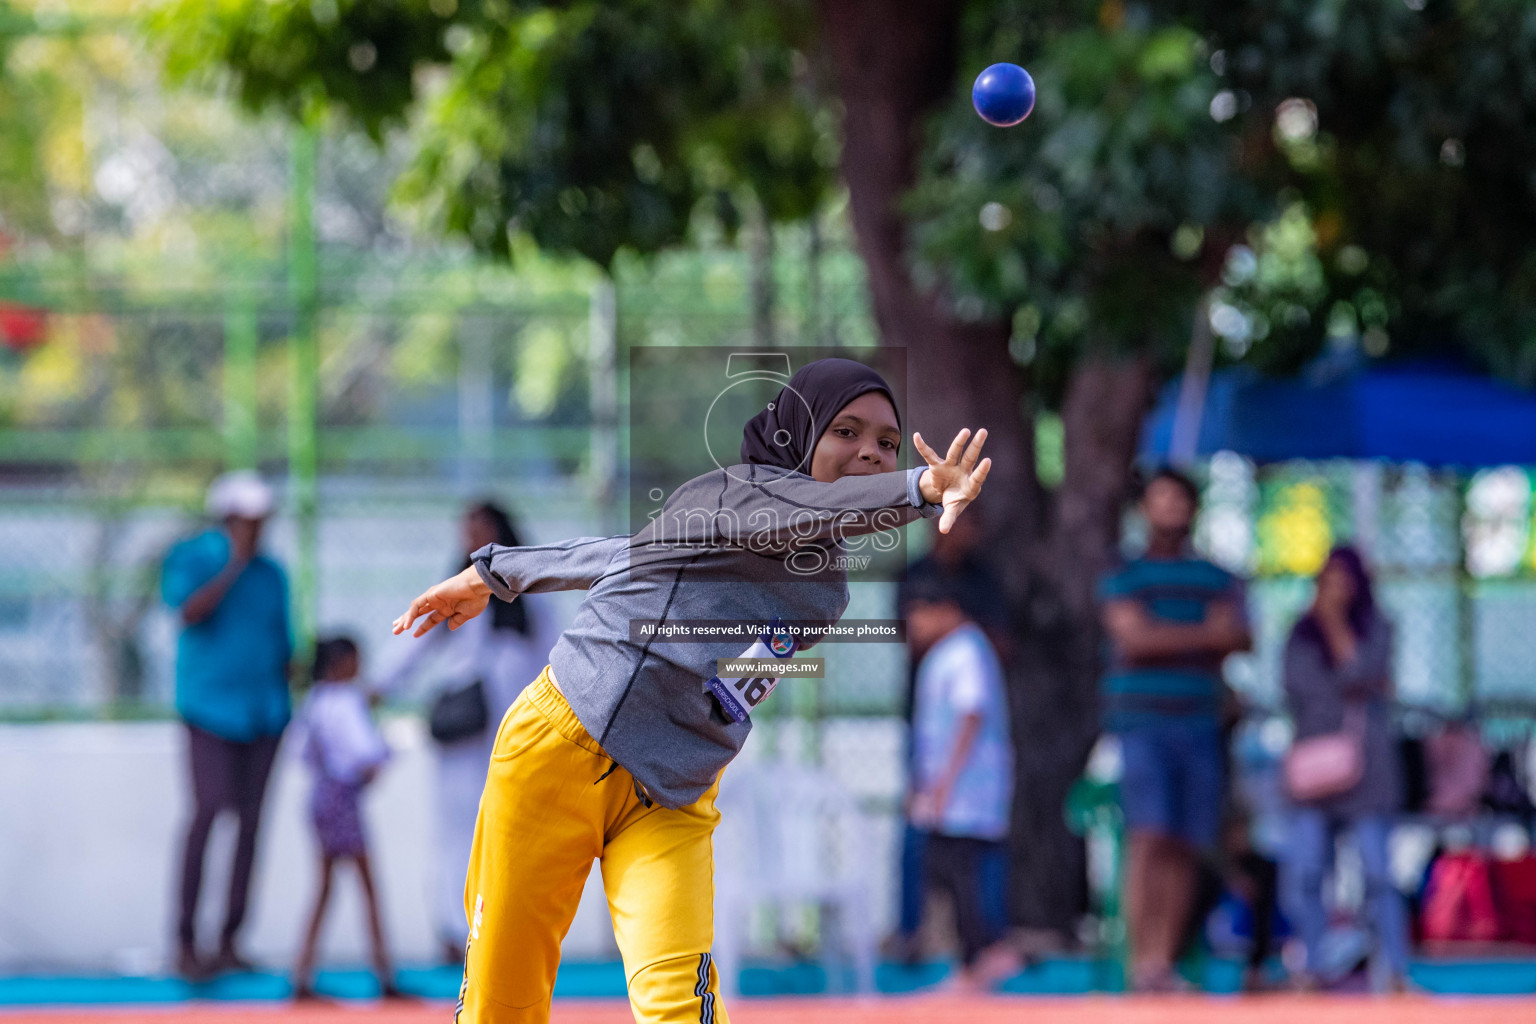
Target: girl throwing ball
(615, 751)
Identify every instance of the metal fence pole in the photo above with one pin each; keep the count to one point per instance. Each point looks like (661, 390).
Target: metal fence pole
(602, 366)
(1466, 604)
(240, 426)
(303, 379)
(477, 403)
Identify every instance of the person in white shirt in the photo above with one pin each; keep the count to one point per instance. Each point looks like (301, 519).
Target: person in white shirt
(345, 750)
(479, 668)
(963, 766)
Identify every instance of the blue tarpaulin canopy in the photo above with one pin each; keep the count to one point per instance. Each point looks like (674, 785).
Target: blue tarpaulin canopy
(1339, 408)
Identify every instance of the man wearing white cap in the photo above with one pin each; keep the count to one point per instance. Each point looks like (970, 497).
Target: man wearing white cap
(231, 690)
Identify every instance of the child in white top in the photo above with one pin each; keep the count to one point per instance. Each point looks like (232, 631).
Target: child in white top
(344, 748)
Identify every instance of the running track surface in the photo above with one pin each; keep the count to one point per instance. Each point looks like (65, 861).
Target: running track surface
(917, 1010)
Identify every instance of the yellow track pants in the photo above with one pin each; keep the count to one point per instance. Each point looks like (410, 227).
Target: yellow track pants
(553, 802)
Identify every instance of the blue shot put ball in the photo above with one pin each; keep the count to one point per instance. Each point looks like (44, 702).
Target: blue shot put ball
(1003, 95)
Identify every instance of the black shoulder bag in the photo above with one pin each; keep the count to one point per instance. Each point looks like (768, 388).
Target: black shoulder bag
(459, 714)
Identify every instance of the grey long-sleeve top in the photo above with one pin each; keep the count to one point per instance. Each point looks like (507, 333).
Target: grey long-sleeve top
(748, 542)
(1317, 694)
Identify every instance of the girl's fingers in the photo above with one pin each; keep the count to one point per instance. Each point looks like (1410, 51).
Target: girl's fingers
(417, 608)
(428, 623)
(973, 450)
(929, 455)
(979, 476)
(951, 513)
(957, 446)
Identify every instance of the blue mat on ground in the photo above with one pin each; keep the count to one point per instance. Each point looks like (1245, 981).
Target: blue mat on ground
(594, 980)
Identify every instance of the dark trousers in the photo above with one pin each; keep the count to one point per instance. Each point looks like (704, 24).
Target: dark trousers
(225, 775)
(1263, 878)
(914, 882)
(959, 866)
(1256, 881)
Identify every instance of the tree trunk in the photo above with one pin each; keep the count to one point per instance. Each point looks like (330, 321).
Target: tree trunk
(1107, 400)
(893, 64)
(1055, 697)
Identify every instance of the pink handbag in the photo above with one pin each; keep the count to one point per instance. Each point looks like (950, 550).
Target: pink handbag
(1328, 765)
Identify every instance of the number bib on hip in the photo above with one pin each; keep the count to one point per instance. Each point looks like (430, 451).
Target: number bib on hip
(739, 697)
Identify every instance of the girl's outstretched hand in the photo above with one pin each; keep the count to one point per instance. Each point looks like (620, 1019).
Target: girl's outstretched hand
(455, 600)
(956, 479)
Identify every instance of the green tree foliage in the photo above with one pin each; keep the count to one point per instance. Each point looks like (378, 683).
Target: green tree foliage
(1407, 129)
(1384, 147)
(300, 56)
(589, 127)
(24, 98)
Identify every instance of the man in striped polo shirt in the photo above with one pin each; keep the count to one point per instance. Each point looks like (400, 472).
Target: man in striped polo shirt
(1172, 618)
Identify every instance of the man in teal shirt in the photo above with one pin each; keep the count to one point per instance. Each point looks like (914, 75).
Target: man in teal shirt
(231, 691)
(1172, 618)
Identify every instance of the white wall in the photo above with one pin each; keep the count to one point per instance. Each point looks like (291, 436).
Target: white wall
(92, 817)
(91, 824)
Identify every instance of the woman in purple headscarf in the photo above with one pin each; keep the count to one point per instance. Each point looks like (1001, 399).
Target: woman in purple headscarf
(1338, 682)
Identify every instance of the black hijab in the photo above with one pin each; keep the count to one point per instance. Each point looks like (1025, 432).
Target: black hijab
(785, 434)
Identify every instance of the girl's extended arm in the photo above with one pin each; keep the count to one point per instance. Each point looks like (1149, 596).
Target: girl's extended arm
(568, 565)
(507, 572)
(953, 480)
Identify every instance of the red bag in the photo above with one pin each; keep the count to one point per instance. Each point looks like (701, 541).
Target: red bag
(1458, 902)
(1514, 881)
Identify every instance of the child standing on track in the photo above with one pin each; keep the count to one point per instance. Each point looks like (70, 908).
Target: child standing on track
(962, 762)
(615, 751)
(343, 746)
